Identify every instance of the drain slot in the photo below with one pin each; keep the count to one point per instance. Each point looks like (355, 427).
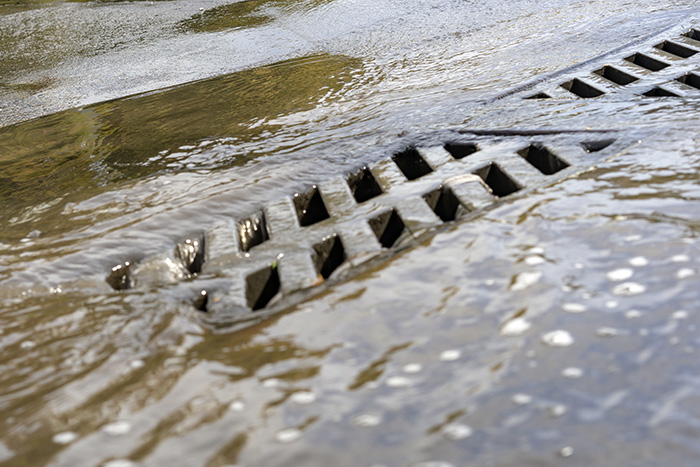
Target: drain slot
(387, 227)
(543, 159)
(676, 49)
(363, 185)
(659, 92)
(539, 95)
(581, 89)
(615, 75)
(497, 180)
(310, 207)
(252, 231)
(120, 277)
(201, 301)
(647, 62)
(191, 253)
(411, 164)
(261, 287)
(328, 255)
(444, 203)
(461, 150)
(691, 79)
(595, 146)
(693, 34)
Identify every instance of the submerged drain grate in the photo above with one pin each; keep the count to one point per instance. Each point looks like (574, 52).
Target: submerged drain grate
(242, 270)
(663, 69)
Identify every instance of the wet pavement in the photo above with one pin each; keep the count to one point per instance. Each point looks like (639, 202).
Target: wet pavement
(555, 326)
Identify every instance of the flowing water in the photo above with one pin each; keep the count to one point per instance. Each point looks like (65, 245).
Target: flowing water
(558, 327)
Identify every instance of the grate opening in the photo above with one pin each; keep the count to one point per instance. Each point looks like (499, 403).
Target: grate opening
(363, 185)
(328, 255)
(411, 164)
(310, 207)
(693, 34)
(543, 159)
(676, 49)
(261, 287)
(539, 95)
(252, 231)
(647, 62)
(659, 92)
(119, 277)
(582, 89)
(595, 146)
(388, 227)
(691, 79)
(615, 75)
(191, 253)
(444, 203)
(200, 302)
(497, 180)
(461, 150)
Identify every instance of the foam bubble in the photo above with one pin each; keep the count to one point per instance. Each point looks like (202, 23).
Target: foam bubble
(398, 382)
(680, 314)
(526, 279)
(684, 273)
(572, 372)
(303, 397)
(515, 327)
(567, 451)
(66, 437)
(534, 260)
(117, 428)
(457, 431)
(412, 368)
(574, 307)
(236, 406)
(680, 258)
(629, 289)
(638, 261)
(119, 463)
(450, 355)
(620, 274)
(607, 332)
(288, 435)
(522, 399)
(367, 420)
(633, 314)
(558, 338)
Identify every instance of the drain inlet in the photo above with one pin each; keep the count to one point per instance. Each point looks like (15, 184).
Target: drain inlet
(616, 75)
(581, 89)
(543, 159)
(363, 185)
(411, 164)
(676, 49)
(388, 227)
(659, 92)
(461, 150)
(328, 255)
(497, 180)
(191, 253)
(647, 62)
(691, 79)
(444, 203)
(252, 231)
(310, 207)
(261, 287)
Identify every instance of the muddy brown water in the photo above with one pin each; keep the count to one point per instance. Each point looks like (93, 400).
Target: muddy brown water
(558, 327)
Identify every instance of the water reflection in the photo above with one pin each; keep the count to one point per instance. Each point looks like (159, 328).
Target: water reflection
(76, 154)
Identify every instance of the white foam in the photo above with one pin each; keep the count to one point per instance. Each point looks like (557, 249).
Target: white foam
(633, 314)
(558, 338)
(620, 274)
(236, 406)
(607, 332)
(680, 258)
(117, 428)
(66, 437)
(412, 368)
(450, 355)
(457, 431)
(639, 261)
(574, 307)
(515, 327)
(303, 397)
(398, 382)
(367, 420)
(629, 289)
(526, 279)
(572, 372)
(534, 260)
(288, 435)
(522, 399)
(684, 273)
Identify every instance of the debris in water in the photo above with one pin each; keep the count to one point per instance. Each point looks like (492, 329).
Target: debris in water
(607, 332)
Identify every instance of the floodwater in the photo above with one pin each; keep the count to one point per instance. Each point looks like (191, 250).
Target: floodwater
(558, 327)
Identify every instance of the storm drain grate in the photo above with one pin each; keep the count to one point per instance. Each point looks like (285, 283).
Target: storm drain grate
(653, 72)
(241, 271)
